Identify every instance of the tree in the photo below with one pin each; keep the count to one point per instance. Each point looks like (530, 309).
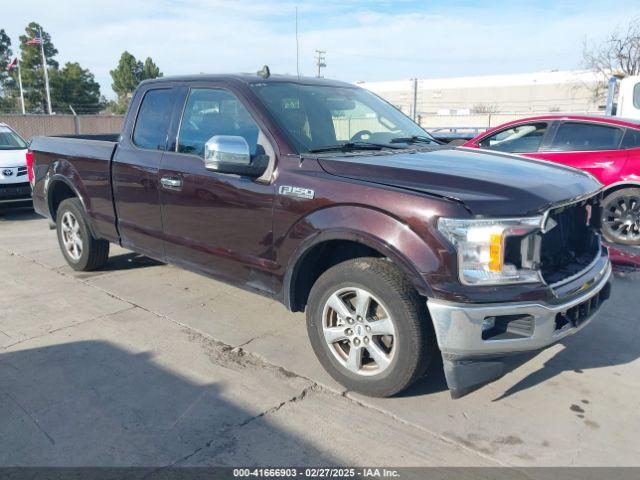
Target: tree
(126, 77)
(150, 70)
(618, 55)
(6, 80)
(32, 71)
(76, 87)
(483, 108)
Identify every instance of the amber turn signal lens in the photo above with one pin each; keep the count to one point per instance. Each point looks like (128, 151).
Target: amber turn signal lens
(495, 252)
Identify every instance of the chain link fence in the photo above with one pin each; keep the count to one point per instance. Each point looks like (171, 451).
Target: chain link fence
(29, 126)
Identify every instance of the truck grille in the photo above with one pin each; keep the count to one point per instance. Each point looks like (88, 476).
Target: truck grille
(571, 243)
(582, 312)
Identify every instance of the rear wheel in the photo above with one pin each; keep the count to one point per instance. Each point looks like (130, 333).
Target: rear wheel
(369, 327)
(80, 248)
(621, 216)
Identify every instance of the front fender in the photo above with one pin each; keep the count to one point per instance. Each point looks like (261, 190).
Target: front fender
(380, 231)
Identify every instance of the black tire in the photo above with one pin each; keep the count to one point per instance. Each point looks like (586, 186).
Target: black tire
(413, 340)
(94, 252)
(614, 228)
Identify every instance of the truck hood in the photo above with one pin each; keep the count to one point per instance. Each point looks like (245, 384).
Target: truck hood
(489, 184)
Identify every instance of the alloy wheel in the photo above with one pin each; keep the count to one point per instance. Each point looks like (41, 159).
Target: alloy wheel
(359, 331)
(622, 218)
(71, 236)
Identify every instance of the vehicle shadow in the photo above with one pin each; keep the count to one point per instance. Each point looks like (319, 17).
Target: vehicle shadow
(128, 261)
(432, 382)
(613, 338)
(92, 403)
(17, 213)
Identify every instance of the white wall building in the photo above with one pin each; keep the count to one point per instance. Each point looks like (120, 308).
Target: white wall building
(518, 94)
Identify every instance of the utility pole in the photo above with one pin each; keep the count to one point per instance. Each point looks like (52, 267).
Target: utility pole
(414, 99)
(297, 46)
(321, 62)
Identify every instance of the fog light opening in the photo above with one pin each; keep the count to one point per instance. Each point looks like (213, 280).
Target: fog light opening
(507, 327)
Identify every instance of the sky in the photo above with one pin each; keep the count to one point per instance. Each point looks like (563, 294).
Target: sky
(363, 40)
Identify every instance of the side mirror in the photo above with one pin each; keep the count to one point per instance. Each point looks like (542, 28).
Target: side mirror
(230, 154)
(226, 149)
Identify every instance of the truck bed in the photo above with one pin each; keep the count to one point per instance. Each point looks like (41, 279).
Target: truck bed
(83, 157)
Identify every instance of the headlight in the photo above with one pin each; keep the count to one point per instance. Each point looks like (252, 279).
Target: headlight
(481, 246)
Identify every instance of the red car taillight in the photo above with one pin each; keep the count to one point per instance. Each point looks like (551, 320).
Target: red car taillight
(30, 167)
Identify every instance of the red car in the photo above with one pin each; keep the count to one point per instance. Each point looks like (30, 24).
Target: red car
(606, 147)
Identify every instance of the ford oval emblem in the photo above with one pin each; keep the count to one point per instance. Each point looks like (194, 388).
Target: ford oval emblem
(7, 173)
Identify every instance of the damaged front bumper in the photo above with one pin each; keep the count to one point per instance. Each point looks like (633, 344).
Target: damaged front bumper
(477, 340)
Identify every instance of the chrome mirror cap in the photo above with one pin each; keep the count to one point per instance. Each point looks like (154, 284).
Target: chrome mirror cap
(223, 150)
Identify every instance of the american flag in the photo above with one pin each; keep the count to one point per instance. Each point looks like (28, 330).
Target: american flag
(36, 40)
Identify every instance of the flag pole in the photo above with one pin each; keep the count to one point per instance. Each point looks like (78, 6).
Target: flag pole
(46, 74)
(20, 84)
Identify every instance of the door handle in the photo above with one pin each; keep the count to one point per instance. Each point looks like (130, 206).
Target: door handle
(168, 182)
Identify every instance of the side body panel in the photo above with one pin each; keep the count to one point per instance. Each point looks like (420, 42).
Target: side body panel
(83, 166)
(605, 165)
(630, 173)
(216, 223)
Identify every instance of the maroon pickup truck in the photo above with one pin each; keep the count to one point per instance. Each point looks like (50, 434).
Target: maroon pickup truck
(323, 196)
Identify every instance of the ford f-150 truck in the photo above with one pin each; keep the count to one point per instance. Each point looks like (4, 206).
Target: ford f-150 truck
(323, 196)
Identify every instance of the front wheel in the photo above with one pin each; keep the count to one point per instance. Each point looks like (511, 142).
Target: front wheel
(80, 248)
(621, 217)
(369, 327)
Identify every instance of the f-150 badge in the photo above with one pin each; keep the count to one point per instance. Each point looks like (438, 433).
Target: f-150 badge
(296, 191)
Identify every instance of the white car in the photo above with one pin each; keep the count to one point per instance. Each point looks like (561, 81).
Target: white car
(14, 178)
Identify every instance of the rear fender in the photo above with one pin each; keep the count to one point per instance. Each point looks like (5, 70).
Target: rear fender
(63, 171)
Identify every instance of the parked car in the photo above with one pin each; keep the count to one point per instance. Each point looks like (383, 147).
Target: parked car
(321, 195)
(606, 147)
(14, 182)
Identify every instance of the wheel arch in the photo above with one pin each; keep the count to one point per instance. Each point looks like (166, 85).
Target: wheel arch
(614, 187)
(60, 188)
(338, 242)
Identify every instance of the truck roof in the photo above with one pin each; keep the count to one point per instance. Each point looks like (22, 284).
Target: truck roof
(250, 78)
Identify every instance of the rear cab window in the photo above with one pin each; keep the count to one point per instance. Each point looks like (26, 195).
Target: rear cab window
(579, 136)
(517, 139)
(153, 120)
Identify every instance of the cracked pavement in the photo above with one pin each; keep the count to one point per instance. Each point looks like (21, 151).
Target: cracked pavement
(144, 364)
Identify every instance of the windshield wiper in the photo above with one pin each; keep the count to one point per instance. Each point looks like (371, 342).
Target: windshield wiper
(414, 139)
(351, 146)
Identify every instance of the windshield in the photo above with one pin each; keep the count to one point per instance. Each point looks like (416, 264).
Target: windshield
(9, 140)
(320, 117)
